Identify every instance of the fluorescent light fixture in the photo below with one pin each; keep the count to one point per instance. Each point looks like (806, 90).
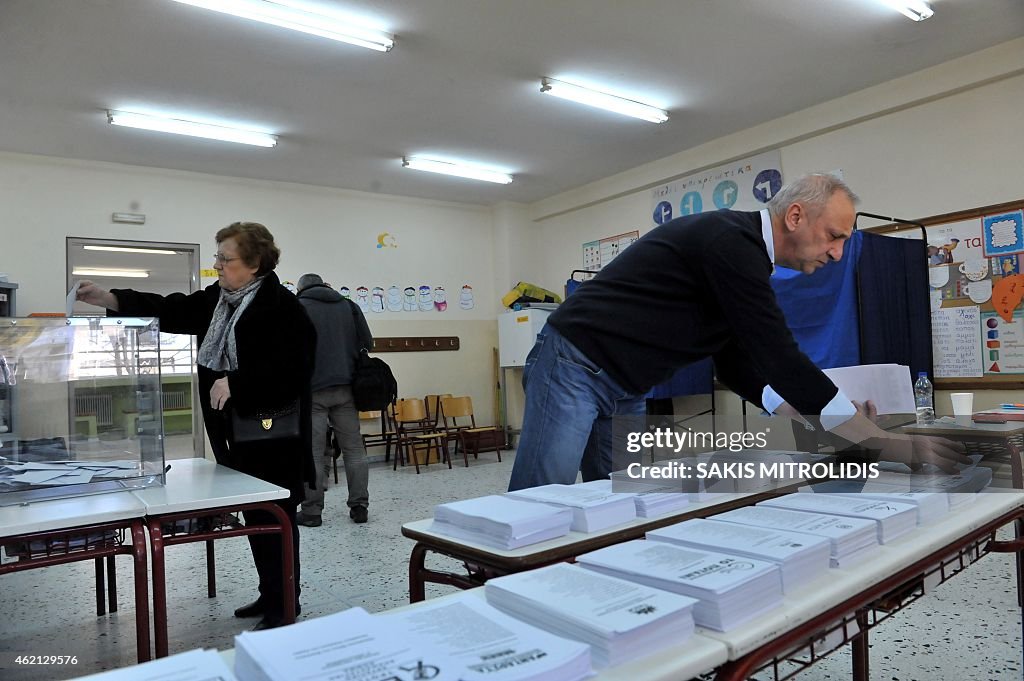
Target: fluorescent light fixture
(918, 10)
(457, 169)
(129, 218)
(291, 14)
(602, 100)
(180, 126)
(101, 272)
(130, 249)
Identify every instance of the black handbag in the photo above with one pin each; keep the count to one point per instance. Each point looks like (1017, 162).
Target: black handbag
(266, 425)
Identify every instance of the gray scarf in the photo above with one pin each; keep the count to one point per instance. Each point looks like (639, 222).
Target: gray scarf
(219, 351)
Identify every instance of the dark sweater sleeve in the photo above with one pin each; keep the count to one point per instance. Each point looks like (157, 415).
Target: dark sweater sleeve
(738, 273)
(178, 312)
(364, 339)
(734, 369)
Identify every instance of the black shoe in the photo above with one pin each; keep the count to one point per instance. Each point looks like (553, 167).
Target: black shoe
(358, 514)
(308, 520)
(268, 622)
(255, 609)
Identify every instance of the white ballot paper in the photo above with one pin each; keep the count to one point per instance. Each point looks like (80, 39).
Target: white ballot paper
(592, 509)
(888, 386)
(351, 645)
(194, 665)
(490, 644)
(730, 589)
(800, 557)
(621, 620)
(501, 521)
(70, 305)
(893, 519)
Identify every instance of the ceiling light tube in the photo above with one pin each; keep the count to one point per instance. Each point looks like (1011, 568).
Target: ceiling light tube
(180, 126)
(286, 16)
(918, 10)
(458, 170)
(602, 100)
(101, 272)
(130, 249)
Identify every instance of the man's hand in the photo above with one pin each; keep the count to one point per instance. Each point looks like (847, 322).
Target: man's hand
(867, 409)
(92, 294)
(220, 393)
(914, 450)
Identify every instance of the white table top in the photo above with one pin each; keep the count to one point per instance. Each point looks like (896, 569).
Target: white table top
(837, 585)
(61, 514)
(424, 527)
(198, 484)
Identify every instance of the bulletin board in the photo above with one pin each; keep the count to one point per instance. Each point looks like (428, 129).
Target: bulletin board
(976, 287)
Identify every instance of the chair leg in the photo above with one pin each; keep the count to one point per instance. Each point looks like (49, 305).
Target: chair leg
(465, 452)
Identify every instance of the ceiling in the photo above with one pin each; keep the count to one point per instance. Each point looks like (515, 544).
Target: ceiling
(462, 81)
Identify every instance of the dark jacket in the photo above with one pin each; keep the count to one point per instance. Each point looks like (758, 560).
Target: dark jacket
(275, 342)
(694, 287)
(341, 332)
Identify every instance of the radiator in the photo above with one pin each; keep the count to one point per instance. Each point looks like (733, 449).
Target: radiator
(176, 400)
(101, 406)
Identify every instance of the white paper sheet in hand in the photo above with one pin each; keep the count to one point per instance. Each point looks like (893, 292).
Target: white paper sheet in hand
(888, 386)
(70, 305)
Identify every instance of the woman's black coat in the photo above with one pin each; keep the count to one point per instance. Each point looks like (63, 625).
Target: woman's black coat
(276, 345)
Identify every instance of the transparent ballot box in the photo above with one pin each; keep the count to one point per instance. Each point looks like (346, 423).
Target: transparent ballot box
(80, 406)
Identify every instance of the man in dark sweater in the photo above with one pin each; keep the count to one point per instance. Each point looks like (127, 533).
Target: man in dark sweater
(341, 332)
(694, 287)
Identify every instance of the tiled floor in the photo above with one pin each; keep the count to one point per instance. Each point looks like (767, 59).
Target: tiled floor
(969, 629)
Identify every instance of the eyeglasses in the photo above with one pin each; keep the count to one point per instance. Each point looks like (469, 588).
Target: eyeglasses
(222, 259)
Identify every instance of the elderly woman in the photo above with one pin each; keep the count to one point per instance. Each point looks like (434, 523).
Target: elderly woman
(255, 356)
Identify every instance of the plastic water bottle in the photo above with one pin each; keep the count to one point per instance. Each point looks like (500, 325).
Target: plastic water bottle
(923, 400)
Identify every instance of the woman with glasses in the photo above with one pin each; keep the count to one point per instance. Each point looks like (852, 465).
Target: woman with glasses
(256, 349)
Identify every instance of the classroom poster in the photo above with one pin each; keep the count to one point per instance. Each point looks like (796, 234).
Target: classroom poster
(747, 184)
(597, 254)
(1003, 344)
(956, 342)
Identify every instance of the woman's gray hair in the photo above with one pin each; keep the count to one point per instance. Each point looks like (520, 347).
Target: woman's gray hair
(811, 191)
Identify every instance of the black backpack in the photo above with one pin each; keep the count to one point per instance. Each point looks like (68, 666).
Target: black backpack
(373, 385)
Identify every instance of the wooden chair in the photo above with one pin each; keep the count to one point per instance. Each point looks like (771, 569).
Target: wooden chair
(410, 416)
(467, 435)
(433, 404)
(384, 436)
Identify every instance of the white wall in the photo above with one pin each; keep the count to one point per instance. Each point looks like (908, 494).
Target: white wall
(331, 232)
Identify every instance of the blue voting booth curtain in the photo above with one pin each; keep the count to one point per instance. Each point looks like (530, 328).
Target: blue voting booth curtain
(895, 309)
(821, 308)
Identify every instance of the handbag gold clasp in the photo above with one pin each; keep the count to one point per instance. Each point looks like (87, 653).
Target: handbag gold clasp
(267, 424)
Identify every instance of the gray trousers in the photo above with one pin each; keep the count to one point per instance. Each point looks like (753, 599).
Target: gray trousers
(334, 406)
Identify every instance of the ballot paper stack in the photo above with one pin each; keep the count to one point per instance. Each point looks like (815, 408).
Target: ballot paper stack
(620, 620)
(351, 645)
(501, 522)
(501, 648)
(592, 509)
(892, 519)
(931, 505)
(649, 502)
(961, 487)
(188, 666)
(800, 557)
(850, 539)
(730, 589)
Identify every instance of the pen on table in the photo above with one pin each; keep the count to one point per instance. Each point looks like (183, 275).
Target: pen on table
(1011, 406)
(167, 468)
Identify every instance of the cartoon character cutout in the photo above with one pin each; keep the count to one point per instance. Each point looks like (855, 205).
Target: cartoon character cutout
(377, 300)
(394, 299)
(440, 299)
(409, 299)
(426, 299)
(345, 292)
(290, 286)
(948, 248)
(363, 299)
(466, 297)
